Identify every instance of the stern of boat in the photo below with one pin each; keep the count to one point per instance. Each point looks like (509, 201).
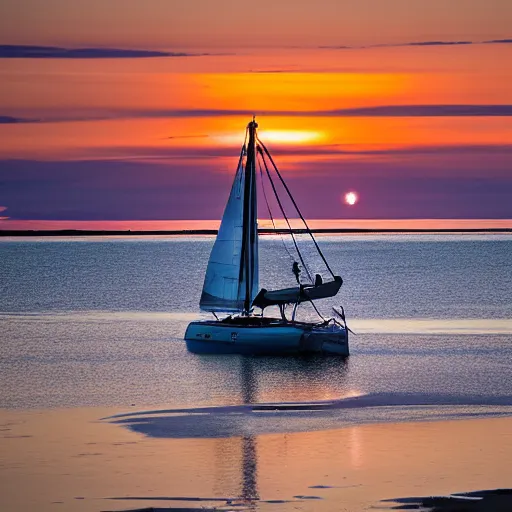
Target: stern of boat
(331, 339)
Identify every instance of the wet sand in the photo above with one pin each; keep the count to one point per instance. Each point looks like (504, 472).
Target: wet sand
(70, 459)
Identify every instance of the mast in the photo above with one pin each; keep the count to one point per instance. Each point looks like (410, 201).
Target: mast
(249, 253)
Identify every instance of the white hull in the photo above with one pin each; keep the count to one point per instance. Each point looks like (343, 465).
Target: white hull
(217, 337)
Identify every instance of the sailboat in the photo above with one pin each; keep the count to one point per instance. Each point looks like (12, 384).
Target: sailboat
(231, 284)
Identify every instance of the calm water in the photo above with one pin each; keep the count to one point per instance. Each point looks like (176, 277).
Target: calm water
(100, 322)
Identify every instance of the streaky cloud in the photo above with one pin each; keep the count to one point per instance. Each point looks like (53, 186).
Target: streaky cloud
(437, 43)
(274, 71)
(499, 41)
(199, 153)
(399, 45)
(448, 110)
(10, 120)
(54, 52)
(187, 136)
(416, 44)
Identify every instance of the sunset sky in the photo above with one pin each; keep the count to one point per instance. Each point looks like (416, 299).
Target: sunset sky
(132, 109)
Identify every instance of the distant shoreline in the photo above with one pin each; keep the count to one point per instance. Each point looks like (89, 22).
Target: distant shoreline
(264, 231)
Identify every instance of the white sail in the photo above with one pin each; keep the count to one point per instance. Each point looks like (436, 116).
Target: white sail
(233, 259)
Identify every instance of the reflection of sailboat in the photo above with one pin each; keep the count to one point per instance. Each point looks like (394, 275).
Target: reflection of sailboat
(248, 390)
(249, 488)
(231, 281)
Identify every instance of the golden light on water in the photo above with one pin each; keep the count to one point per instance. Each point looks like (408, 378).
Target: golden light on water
(351, 198)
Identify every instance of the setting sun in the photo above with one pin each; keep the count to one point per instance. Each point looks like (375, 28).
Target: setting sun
(290, 136)
(351, 198)
(275, 136)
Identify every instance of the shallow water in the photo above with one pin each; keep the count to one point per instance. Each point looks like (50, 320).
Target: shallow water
(101, 322)
(67, 459)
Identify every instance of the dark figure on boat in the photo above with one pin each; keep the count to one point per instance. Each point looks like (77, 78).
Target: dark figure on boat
(296, 271)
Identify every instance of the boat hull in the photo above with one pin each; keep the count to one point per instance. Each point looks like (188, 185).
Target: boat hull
(210, 337)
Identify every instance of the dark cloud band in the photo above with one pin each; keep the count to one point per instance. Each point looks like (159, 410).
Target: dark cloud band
(471, 186)
(54, 52)
(500, 110)
(416, 44)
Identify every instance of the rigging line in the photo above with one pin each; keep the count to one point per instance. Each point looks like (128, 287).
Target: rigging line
(268, 208)
(285, 217)
(242, 151)
(316, 309)
(296, 207)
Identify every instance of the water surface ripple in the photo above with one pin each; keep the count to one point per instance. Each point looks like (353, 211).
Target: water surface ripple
(101, 322)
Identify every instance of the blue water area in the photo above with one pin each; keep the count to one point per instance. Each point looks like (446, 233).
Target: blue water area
(101, 322)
